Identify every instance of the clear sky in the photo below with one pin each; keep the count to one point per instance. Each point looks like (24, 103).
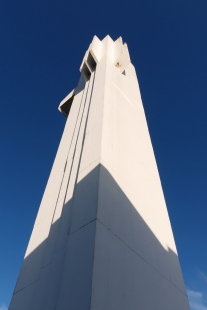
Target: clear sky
(42, 44)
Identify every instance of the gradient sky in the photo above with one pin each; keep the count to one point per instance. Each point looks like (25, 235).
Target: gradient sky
(41, 48)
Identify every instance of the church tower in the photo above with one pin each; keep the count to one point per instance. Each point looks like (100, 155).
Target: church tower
(102, 239)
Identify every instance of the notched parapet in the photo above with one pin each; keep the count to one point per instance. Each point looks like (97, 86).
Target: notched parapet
(116, 52)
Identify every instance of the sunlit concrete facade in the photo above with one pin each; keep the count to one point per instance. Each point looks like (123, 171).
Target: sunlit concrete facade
(102, 239)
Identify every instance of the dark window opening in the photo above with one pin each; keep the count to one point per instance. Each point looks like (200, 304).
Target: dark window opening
(86, 72)
(91, 62)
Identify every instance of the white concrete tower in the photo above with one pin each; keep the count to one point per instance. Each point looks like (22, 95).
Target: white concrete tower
(102, 239)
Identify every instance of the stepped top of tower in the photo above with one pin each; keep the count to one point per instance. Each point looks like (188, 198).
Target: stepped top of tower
(117, 51)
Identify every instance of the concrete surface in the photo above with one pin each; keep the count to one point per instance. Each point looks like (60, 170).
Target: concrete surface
(102, 239)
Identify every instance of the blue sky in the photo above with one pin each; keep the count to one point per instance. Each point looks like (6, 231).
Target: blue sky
(42, 46)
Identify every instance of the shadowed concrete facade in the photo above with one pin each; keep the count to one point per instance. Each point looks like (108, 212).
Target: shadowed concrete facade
(102, 239)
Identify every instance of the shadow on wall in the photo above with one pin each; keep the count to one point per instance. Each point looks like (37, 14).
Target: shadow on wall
(100, 255)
